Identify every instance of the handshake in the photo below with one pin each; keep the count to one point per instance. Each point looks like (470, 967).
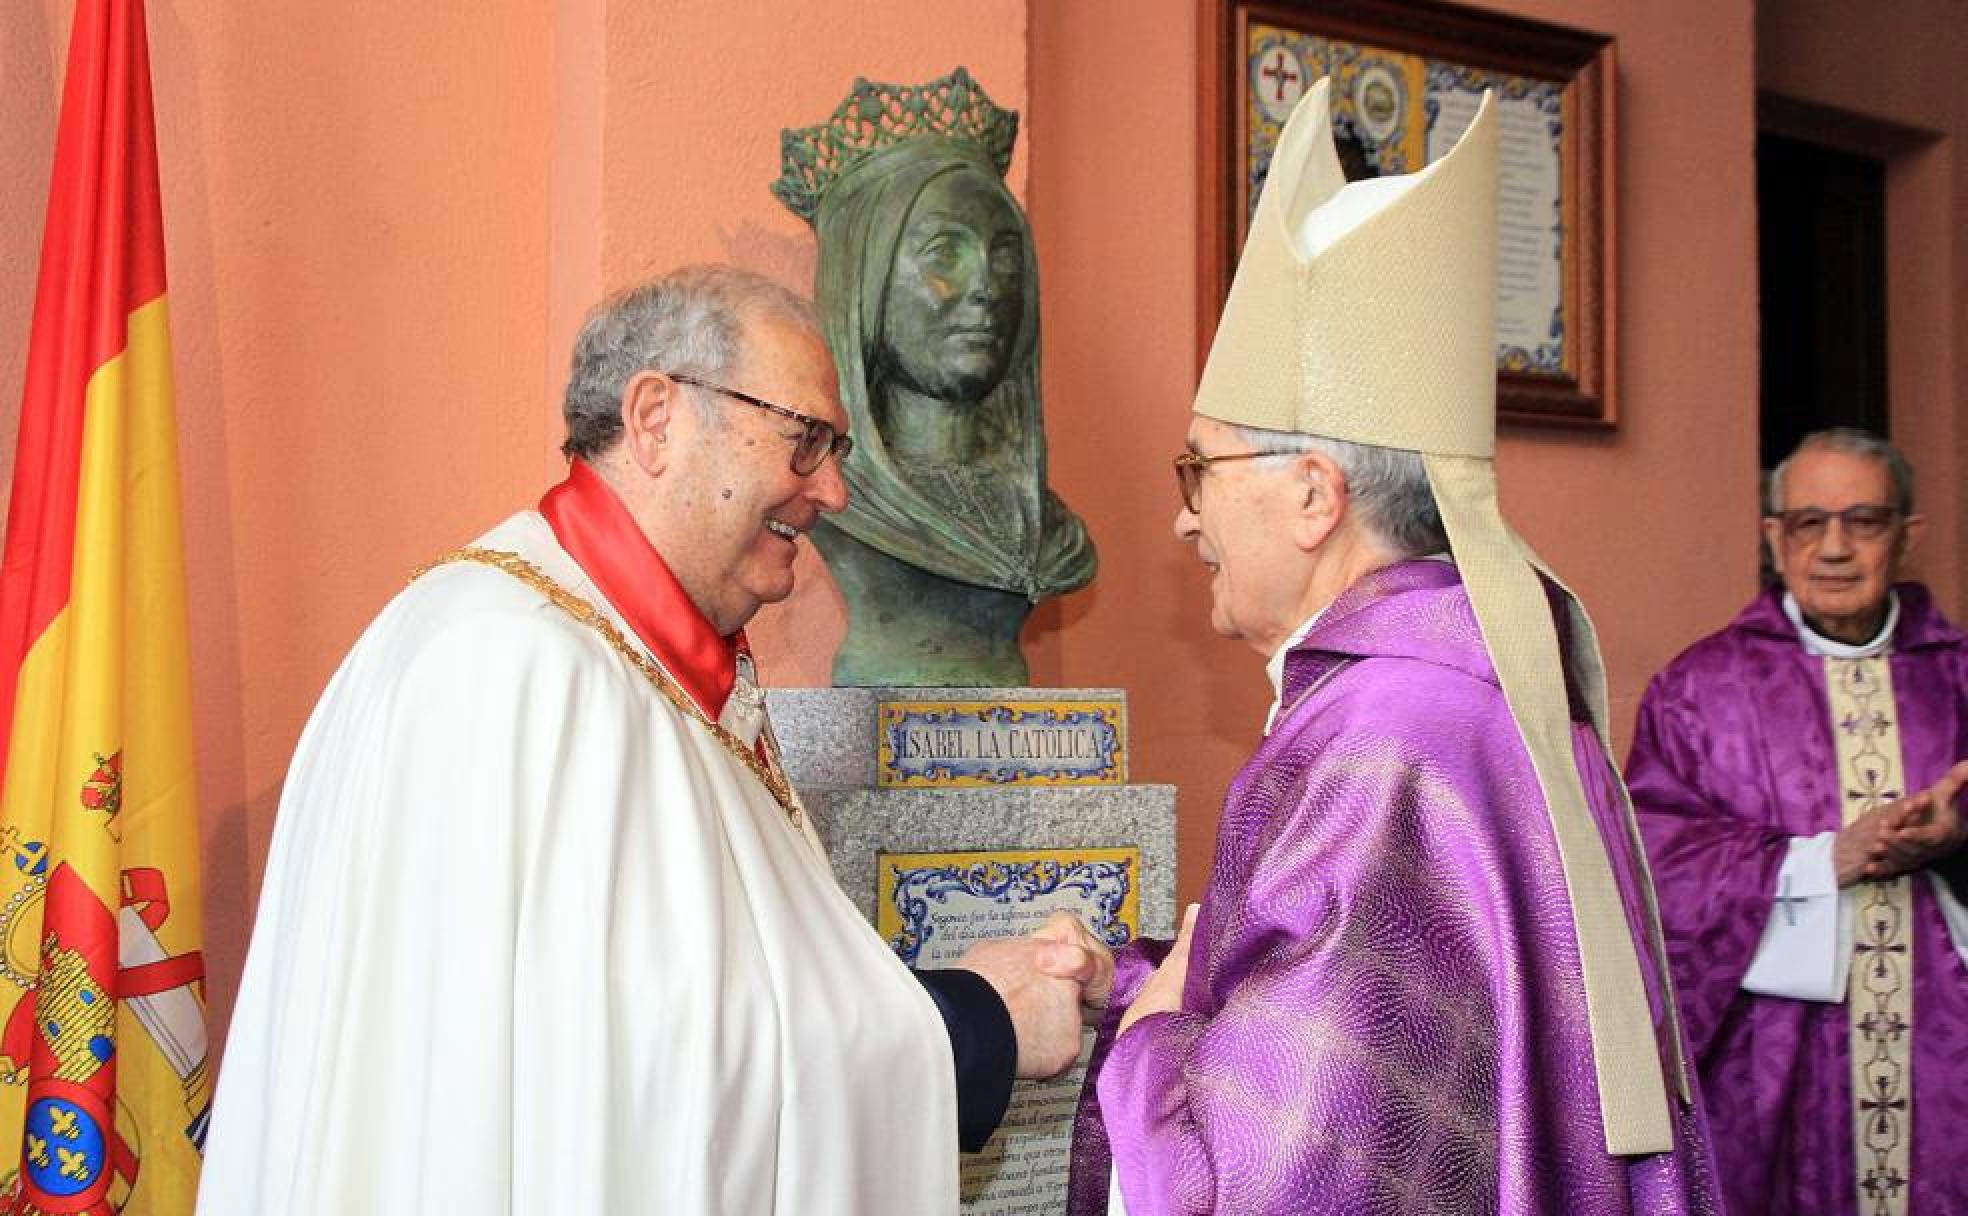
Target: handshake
(1051, 981)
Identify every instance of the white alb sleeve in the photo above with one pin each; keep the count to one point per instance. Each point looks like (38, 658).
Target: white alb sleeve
(1806, 948)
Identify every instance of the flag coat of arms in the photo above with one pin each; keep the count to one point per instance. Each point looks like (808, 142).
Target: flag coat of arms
(104, 1081)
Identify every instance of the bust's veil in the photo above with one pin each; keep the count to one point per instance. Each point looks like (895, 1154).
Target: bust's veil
(1038, 549)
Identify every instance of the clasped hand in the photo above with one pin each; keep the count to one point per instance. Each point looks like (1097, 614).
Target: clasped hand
(1905, 835)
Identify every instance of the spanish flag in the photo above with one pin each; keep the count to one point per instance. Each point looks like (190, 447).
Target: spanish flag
(104, 1083)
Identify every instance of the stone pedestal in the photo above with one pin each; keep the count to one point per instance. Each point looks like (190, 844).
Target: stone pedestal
(830, 738)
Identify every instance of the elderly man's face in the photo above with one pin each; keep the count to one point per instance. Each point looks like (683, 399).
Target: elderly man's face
(1839, 579)
(747, 507)
(1257, 582)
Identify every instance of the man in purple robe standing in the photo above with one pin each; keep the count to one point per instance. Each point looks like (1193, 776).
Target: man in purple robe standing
(1795, 776)
(1424, 976)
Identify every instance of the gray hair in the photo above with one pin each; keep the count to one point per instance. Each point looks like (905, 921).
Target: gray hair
(690, 321)
(1388, 486)
(1852, 442)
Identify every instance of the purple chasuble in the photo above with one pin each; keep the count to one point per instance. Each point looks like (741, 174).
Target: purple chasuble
(1731, 759)
(1384, 1010)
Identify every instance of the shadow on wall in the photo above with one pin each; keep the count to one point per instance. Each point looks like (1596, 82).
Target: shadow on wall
(30, 73)
(1229, 703)
(787, 257)
(235, 863)
(229, 855)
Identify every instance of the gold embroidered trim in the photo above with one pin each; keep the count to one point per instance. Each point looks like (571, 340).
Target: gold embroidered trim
(1879, 997)
(768, 771)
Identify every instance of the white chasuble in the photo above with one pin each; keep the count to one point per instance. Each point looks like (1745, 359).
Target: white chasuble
(1866, 737)
(532, 941)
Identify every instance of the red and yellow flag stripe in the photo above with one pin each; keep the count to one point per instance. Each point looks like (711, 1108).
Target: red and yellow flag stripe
(104, 1081)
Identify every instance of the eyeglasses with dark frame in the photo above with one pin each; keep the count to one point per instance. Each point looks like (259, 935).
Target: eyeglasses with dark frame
(1865, 521)
(1189, 469)
(814, 443)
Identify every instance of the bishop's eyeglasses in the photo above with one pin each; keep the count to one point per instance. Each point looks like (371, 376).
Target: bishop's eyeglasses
(1808, 525)
(815, 441)
(1189, 469)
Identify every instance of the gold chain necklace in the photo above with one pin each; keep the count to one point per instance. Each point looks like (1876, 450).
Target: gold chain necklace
(768, 771)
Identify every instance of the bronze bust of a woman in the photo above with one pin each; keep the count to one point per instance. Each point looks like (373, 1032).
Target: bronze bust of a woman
(928, 293)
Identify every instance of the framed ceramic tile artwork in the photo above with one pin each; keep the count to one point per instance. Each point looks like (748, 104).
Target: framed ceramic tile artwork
(1406, 80)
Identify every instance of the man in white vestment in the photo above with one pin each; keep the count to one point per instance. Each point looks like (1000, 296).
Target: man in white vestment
(544, 928)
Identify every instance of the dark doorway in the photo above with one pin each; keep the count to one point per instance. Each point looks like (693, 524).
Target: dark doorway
(1821, 239)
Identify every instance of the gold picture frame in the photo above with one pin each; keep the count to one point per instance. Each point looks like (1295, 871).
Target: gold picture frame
(1406, 77)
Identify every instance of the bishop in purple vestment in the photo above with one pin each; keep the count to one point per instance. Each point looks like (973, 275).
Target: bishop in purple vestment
(1735, 779)
(1424, 975)
(1382, 1010)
